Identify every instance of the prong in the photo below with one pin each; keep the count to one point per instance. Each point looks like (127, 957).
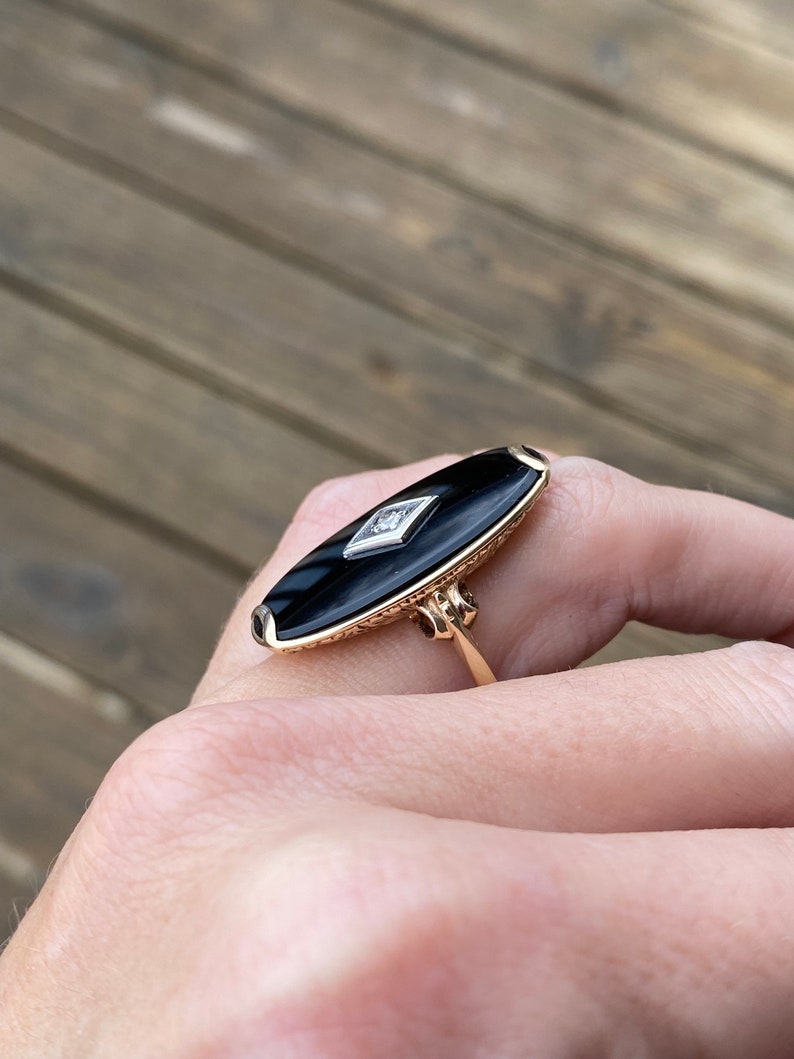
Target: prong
(446, 615)
(532, 458)
(263, 625)
(434, 615)
(431, 619)
(463, 601)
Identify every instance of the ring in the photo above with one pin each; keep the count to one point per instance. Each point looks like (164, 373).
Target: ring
(408, 557)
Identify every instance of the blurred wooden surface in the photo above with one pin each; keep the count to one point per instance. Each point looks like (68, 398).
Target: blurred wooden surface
(244, 247)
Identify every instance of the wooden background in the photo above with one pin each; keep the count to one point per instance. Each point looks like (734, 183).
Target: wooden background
(248, 244)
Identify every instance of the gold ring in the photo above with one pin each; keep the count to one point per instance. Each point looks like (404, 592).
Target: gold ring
(408, 557)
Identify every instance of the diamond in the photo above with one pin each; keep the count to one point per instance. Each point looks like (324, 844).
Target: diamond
(387, 521)
(390, 527)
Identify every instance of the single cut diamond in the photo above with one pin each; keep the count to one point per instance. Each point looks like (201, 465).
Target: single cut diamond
(388, 520)
(391, 526)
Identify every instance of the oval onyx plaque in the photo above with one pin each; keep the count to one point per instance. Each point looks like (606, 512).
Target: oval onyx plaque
(421, 534)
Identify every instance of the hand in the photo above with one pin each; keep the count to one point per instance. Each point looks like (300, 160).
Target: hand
(322, 860)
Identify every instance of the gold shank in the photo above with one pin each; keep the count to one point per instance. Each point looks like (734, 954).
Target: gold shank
(446, 614)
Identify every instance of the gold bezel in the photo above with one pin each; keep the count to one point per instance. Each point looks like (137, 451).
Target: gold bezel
(464, 563)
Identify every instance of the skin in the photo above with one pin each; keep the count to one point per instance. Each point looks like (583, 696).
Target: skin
(349, 853)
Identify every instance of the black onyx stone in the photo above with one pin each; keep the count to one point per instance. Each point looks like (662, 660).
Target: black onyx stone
(325, 589)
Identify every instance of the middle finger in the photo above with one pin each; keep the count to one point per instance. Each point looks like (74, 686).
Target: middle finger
(697, 741)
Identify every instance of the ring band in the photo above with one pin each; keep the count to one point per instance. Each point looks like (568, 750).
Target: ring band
(408, 557)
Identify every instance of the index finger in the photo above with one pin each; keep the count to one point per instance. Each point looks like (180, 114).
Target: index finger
(599, 549)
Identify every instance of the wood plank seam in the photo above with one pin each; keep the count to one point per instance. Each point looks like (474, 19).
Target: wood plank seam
(118, 509)
(498, 355)
(587, 95)
(48, 672)
(767, 44)
(205, 66)
(510, 367)
(104, 598)
(207, 467)
(16, 865)
(159, 354)
(244, 132)
(109, 700)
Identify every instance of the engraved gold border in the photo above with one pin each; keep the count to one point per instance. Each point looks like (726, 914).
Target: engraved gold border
(476, 553)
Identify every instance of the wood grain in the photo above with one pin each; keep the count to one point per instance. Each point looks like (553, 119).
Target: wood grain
(404, 239)
(766, 22)
(165, 446)
(259, 324)
(635, 193)
(113, 602)
(641, 58)
(642, 641)
(53, 755)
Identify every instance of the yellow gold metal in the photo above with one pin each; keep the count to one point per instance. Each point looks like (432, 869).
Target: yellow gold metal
(480, 550)
(446, 614)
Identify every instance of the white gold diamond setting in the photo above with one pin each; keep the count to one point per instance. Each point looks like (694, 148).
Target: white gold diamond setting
(390, 526)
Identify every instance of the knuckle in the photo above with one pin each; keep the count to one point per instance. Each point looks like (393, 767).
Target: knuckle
(590, 509)
(217, 761)
(768, 665)
(587, 491)
(754, 681)
(388, 922)
(764, 655)
(324, 497)
(157, 784)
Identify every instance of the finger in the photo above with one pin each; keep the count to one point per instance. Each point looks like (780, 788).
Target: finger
(502, 943)
(694, 741)
(675, 945)
(620, 549)
(600, 548)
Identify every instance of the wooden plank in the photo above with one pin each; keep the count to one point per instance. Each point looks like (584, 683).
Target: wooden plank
(111, 601)
(53, 755)
(297, 340)
(643, 58)
(19, 884)
(403, 238)
(643, 641)
(198, 463)
(534, 148)
(765, 22)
